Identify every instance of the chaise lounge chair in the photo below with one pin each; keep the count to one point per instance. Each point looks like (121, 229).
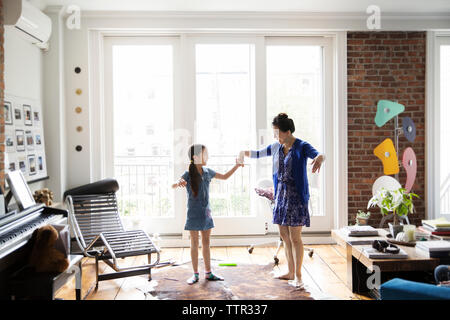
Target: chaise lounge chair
(96, 225)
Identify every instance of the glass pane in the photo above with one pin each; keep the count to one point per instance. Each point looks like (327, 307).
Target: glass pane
(445, 129)
(143, 126)
(294, 86)
(225, 114)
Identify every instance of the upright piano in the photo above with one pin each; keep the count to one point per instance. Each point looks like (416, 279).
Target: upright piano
(15, 231)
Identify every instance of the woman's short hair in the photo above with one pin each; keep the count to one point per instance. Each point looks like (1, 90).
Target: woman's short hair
(284, 123)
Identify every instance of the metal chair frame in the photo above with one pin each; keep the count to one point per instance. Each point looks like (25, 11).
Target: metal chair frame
(99, 232)
(263, 184)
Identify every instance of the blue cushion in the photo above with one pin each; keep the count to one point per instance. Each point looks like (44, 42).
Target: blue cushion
(399, 289)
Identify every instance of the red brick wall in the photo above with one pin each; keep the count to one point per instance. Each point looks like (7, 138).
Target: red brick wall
(383, 65)
(2, 89)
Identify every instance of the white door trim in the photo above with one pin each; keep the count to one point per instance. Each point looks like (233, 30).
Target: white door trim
(432, 116)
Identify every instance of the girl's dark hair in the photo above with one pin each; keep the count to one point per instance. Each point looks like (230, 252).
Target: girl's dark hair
(283, 122)
(194, 175)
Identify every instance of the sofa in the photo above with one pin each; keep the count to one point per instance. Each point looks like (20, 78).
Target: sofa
(400, 289)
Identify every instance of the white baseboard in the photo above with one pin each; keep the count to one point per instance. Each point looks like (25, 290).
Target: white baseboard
(236, 241)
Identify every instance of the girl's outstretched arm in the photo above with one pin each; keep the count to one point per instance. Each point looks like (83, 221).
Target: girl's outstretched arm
(180, 183)
(229, 173)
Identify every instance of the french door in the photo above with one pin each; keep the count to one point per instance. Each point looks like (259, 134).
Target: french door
(140, 97)
(164, 93)
(442, 130)
(299, 77)
(225, 82)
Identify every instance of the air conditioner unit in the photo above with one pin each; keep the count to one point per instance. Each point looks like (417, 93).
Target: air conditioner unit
(35, 25)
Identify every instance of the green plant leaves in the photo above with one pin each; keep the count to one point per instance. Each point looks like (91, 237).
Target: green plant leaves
(397, 201)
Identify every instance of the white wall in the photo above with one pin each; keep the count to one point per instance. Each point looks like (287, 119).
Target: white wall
(54, 109)
(23, 66)
(70, 48)
(23, 72)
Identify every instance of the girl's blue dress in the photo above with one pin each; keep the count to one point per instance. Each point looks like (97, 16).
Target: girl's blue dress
(289, 209)
(198, 209)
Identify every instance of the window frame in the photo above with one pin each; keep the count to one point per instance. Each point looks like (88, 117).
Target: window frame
(185, 120)
(324, 222)
(176, 221)
(434, 40)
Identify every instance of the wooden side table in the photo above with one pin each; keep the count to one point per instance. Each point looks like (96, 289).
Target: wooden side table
(360, 268)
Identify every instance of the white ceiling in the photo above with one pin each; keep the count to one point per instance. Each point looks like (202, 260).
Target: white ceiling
(397, 6)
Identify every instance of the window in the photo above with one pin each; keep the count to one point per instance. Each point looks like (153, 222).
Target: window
(142, 90)
(444, 84)
(294, 86)
(225, 113)
(223, 91)
(437, 126)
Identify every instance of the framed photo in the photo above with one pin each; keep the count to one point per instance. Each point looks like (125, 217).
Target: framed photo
(32, 164)
(10, 162)
(9, 141)
(8, 112)
(20, 140)
(17, 114)
(38, 140)
(20, 189)
(12, 166)
(36, 116)
(22, 166)
(27, 115)
(30, 139)
(40, 163)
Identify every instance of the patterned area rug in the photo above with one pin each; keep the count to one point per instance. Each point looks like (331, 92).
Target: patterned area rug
(242, 282)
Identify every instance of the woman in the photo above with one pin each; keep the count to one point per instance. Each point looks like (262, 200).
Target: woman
(290, 180)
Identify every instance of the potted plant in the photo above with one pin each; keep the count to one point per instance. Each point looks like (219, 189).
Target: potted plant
(399, 202)
(362, 218)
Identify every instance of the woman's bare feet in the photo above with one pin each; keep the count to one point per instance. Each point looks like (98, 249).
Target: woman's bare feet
(285, 276)
(297, 282)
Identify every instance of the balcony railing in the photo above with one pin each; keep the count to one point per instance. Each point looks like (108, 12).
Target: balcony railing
(230, 198)
(145, 187)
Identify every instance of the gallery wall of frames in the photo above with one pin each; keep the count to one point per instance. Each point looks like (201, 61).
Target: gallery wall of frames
(24, 138)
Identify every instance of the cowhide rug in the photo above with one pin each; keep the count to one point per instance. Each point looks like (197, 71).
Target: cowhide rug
(242, 282)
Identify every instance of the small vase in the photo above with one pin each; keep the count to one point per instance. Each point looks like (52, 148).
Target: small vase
(362, 221)
(395, 229)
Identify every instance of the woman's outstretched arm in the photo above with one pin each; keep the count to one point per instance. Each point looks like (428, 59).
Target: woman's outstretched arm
(317, 163)
(312, 153)
(266, 152)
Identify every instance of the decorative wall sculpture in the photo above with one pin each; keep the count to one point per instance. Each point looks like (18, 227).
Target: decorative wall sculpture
(387, 150)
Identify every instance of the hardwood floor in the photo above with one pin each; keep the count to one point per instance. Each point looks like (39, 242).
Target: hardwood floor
(325, 272)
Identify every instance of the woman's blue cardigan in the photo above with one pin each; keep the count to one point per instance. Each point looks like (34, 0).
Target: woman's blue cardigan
(302, 150)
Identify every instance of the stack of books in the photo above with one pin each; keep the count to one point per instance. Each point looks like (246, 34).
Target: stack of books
(361, 231)
(434, 249)
(372, 253)
(437, 227)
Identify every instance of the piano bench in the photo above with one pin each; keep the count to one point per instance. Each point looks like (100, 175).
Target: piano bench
(27, 284)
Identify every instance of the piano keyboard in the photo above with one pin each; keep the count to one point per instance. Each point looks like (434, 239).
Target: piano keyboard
(19, 235)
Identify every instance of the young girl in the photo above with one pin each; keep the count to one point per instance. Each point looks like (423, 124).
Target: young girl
(199, 218)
